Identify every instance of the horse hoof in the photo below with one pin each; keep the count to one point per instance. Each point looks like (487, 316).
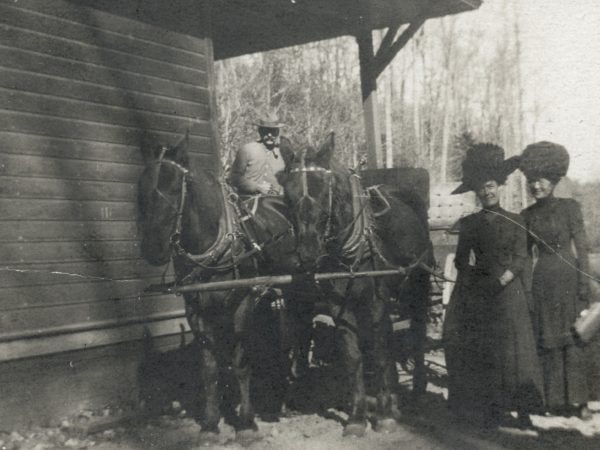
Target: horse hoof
(247, 436)
(208, 439)
(270, 417)
(388, 425)
(355, 429)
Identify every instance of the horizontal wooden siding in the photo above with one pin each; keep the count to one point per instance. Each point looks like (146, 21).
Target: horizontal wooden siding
(80, 90)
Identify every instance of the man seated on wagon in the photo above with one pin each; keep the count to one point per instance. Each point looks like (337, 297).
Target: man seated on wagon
(257, 163)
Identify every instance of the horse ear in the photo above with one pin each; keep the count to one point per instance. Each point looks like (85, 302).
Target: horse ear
(148, 149)
(326, 151)
(286, 150)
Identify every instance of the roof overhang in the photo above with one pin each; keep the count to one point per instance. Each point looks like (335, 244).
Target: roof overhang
(247, 26)
(239, 27)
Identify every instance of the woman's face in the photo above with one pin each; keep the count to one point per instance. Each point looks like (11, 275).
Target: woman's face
(488, 193)
(540, 187)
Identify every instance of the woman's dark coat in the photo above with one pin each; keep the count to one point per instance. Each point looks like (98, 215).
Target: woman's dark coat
(560, 293)
(489, 341)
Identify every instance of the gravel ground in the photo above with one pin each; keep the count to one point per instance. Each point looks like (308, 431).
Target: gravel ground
(424, 425)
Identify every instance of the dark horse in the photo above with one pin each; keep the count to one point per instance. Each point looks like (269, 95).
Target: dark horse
(192, 217)
(339, 228)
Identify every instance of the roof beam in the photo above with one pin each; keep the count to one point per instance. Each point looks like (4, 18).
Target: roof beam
(386, 53)
(389, 37)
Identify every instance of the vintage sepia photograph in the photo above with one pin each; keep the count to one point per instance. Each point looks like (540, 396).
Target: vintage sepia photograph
(299, 224)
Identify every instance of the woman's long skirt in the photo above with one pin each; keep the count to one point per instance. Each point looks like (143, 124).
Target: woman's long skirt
(565, 366)
(491, 351)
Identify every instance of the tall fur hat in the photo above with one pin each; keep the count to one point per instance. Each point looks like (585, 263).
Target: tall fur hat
(485, 162)
(545, 159)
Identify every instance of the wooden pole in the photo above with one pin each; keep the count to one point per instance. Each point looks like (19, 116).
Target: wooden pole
(371, 66)
(389, 139)
(276, 280)
(368, 84)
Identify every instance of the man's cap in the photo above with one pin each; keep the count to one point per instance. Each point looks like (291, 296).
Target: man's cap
(268, 121)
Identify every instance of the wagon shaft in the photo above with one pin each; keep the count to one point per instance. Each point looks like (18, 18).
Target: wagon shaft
(277, 280)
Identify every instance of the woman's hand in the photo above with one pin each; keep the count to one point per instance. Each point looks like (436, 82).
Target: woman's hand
(506, 277)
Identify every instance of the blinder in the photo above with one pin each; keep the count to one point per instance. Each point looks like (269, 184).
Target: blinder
(303, 170)
(178, 208)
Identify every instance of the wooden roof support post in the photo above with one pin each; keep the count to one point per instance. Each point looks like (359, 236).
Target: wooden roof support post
(368, 84)
(371, 66)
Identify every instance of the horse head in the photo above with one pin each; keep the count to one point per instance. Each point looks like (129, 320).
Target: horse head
(160, 199)
(318, 193)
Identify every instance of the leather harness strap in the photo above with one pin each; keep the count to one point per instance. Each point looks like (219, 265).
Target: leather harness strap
(222, 255)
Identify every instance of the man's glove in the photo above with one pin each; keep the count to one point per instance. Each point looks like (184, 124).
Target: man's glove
(264, 188)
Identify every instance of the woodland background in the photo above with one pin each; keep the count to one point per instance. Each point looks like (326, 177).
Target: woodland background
(451, 84)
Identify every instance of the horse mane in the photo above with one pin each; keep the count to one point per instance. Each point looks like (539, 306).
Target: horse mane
(414, 210)
(413, 200)
(342, 191)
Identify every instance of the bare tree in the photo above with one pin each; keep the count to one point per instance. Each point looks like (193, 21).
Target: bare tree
(443, 85)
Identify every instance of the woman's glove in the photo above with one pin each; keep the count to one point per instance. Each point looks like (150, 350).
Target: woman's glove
(506, 277)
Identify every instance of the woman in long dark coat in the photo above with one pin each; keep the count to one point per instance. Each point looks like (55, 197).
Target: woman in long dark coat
(560, 289)
(489, 342)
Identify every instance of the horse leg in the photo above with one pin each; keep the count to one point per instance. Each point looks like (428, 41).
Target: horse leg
(418, 328)
(298, 334)
(285, 347)
(386, 375)
(246, 428)
(347, 341)
(209, 373)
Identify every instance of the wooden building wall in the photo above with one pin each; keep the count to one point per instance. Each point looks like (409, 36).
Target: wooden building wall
(80, 90)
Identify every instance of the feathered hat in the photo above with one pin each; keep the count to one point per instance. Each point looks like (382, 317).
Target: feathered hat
(546, 160)
(485, 162)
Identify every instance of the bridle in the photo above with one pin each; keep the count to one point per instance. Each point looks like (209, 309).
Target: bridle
(176, 235)
(231, 227)
(303, 170)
